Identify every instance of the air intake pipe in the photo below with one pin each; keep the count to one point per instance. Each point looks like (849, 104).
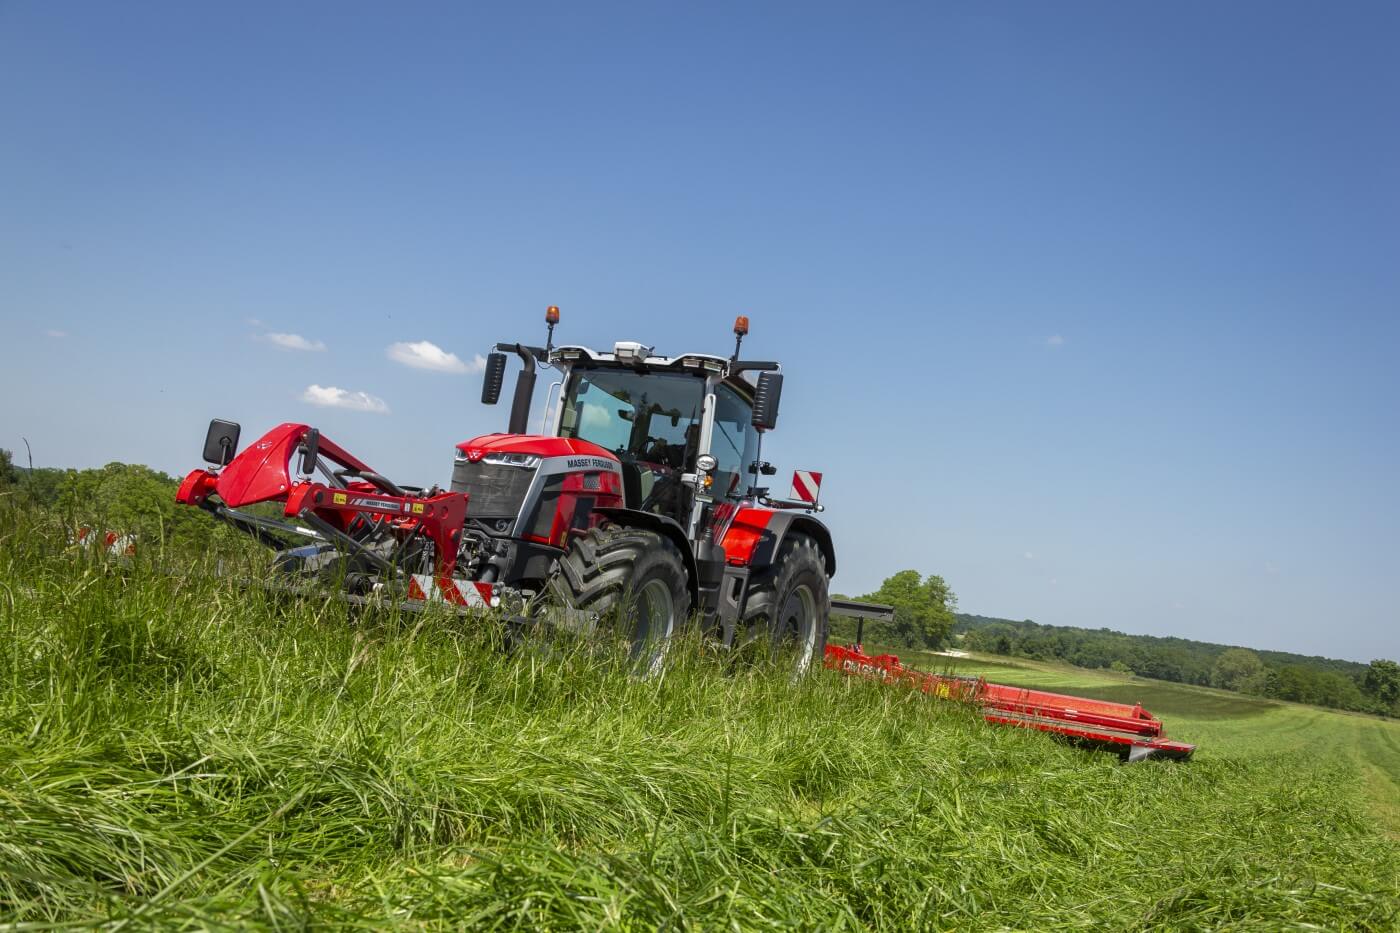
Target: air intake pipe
(524, 386)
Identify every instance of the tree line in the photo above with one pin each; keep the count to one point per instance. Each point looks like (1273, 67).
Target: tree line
(126, 498)
(1349, 685)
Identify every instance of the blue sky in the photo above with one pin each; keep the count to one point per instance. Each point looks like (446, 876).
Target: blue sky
(1090, 308)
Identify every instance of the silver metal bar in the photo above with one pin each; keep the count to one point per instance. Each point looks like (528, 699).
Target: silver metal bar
(548, 396)
(269, 524)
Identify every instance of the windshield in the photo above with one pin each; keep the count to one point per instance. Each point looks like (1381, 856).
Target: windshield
(651, 417)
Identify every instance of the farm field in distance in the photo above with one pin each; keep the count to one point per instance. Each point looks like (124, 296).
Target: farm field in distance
(1221, 723)
(178, 752)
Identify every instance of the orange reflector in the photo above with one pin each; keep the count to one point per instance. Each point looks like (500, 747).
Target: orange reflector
(551, 314)
(741, 325)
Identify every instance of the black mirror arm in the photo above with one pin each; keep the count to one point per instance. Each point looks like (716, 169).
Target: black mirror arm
(530, 356)
(743, 366)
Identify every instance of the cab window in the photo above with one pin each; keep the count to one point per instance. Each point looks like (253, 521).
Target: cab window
(734, 444)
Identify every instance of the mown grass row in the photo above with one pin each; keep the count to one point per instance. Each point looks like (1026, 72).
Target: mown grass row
(176, 751)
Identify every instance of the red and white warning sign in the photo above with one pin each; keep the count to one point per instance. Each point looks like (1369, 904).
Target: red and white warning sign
(806, 485)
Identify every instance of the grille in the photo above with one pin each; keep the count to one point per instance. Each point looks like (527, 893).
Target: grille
(496, 490)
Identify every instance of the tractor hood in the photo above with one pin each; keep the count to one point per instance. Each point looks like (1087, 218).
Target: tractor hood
(532, 444)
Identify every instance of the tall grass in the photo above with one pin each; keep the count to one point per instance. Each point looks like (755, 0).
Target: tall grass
(176, 751)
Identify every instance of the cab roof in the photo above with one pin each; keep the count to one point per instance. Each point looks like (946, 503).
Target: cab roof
(632, 355)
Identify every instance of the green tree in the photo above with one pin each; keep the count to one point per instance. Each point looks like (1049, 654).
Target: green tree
(1239, 669)
(1382, 682)
(923, 607)
(9, 476)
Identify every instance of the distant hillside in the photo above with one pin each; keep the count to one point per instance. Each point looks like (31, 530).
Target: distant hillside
(967, 622)
(1278, 674)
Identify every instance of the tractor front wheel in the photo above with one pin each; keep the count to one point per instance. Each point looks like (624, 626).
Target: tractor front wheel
(627, 582)
(788, 604)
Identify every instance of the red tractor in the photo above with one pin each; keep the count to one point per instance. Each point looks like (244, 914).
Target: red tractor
(638, 502)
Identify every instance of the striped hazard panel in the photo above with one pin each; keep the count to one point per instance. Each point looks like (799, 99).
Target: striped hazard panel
(456, 592)
(806, 485)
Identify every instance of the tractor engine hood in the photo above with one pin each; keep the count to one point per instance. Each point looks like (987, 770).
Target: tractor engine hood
(535, 487)
(535, 445)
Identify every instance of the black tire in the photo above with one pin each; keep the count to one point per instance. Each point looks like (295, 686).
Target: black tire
(627, 581)
(788, 606)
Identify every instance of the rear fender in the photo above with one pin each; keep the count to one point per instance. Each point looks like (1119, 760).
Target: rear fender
(667, 528)
(754, 537)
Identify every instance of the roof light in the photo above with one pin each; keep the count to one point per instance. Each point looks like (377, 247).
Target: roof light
(551, 314)
(741, 325)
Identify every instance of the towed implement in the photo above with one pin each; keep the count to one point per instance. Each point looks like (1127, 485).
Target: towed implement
(1131, 731)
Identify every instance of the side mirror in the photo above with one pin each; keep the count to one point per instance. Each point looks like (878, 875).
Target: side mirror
(495, 377)
(221, 443)
(310, 450)
(765, 401)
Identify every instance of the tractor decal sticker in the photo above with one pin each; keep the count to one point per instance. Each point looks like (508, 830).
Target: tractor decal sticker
(379, 505)
(339, 498)
(806, 485)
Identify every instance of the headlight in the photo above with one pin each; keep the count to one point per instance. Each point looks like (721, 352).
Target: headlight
(706, 463)
(517, 460)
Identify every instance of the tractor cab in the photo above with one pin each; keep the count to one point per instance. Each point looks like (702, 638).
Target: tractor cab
(685, 430)
(660, 417)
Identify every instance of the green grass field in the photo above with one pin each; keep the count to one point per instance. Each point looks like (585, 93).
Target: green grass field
(176, 752)
(1224, 724)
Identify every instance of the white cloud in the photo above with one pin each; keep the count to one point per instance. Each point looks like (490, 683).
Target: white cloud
(294, 342)
(1054, 340)
(56, 334)
(331, 397)
(1030, 556)
(424, 354)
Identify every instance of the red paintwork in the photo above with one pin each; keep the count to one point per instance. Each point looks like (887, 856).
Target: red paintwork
(196, 487)
(1100, 722)
(260, 472)
(537, 444)
(575, 493)
(440, 517)
(744, 533)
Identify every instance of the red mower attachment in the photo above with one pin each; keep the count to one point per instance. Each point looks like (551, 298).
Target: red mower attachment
(1131, 731)
(358, 523)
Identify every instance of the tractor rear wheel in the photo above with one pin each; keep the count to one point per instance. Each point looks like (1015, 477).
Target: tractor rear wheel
(629, 583)
(788, 604)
